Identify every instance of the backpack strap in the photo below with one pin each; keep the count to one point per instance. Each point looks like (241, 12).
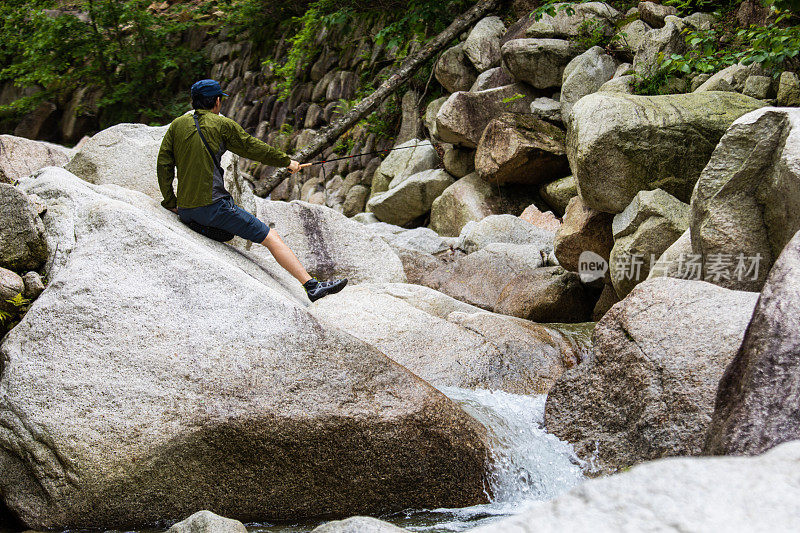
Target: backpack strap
(203, 138)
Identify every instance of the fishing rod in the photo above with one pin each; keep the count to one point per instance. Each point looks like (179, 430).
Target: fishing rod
(304, 165)
(325, 174)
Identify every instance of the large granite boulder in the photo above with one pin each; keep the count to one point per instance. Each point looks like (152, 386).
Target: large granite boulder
(449, 343)
(757, 399)
(570, 20)
(582, 230)
(454, 71)
(676, 494)
(482, 46)
(11, 286)
(479, 278)
(745, 205)
(20, 157)
(620, 144)
(491, 79)
(177, 371)
(471, 199)
(677, 260)
(411, 198)
(126, 154)
(585, 75)
(504, 228)
(652, 222)
(22, 241)
(412, 157)
(654, 14)
(557, 194)
(549, 294)
(539, 62)
(328, 243)
(358, 524)
(522, 149)
(649, 390)
(207, 522)
(463, 117)
(658, 44)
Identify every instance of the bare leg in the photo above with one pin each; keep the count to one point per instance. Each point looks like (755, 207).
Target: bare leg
(285, 256)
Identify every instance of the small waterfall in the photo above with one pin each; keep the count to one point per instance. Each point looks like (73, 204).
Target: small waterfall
(528, 464)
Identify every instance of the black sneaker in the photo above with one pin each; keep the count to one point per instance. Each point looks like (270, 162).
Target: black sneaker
(317, 289)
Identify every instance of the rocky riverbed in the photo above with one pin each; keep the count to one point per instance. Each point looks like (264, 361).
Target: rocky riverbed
(586, 284)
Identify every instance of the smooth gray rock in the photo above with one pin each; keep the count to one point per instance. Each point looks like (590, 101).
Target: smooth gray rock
(676, 260)
(585, 75)
(454, 70)
(480, 278)
(205, 376)
(463, 117)
(491, 79)
(620, 144)
(430, 116)
(358, 524)
(459, 162)
(583, 229)
(539, 62)
(546, 109)
(558, 193)
(34, 286)
(649, 390)
(20, 157)
(482, 46)
(676, 494)
(328, 243)
(503, 228)
(756, 405)
(731, 78)
(11, 286)
(632, 34)
(207, 522)
(22, 242)
(549, 294)
(652, 222)
(400, 164)
(654, 14)
(788, 89)
(471, 199)
(655, 44)
(411, 198)
(521, 149)
(569, 21)
(746, 204)
(450, 343)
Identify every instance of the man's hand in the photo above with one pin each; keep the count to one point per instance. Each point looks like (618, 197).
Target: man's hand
(294, 166)
(174, 210)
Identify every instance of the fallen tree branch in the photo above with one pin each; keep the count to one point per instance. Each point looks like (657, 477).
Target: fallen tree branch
(328, 136)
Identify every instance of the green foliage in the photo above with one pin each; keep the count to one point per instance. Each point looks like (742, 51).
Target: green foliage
(131, 54)
(9, 319)
(512, 98)
(771, 46)
(593, 33)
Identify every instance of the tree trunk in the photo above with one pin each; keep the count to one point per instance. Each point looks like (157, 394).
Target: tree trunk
(328, 136)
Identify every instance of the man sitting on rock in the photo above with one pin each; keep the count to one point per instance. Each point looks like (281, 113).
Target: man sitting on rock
(194, 144)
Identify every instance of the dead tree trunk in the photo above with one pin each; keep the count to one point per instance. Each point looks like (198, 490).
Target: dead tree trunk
(328, 136)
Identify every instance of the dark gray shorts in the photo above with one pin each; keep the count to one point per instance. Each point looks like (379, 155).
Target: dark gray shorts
(226, 215)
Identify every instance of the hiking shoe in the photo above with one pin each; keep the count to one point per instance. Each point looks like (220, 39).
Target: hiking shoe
(317, 289)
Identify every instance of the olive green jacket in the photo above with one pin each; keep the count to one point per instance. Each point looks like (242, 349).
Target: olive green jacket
(199, 182)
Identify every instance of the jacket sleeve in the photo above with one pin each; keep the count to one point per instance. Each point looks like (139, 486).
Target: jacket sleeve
(165, 168)
(245, 145)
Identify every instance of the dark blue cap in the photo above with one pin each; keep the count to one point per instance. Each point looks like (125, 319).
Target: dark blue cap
(207, 88)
